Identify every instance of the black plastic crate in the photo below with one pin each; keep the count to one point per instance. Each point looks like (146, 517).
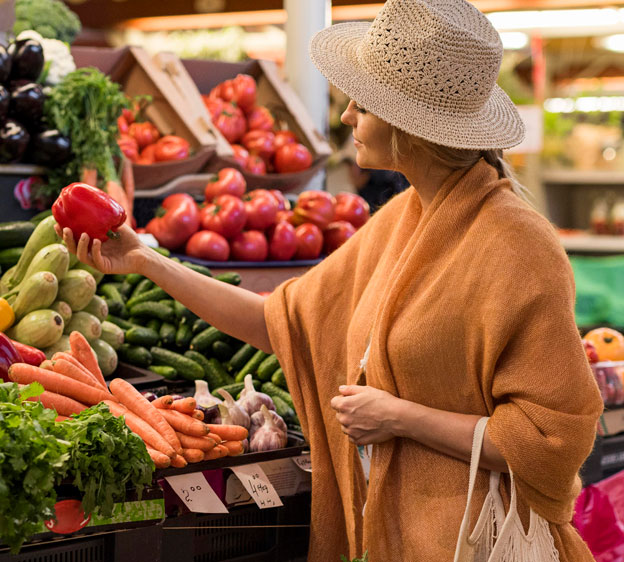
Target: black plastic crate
(81, 549)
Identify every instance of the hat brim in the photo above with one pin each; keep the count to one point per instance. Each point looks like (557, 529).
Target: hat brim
(497, 125)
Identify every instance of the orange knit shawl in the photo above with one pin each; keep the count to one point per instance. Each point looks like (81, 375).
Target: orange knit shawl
(470, 306)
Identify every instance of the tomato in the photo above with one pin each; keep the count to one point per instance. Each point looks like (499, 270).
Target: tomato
(316, 207)
(282, 202)
(128, 147)
(260, 118)
(292, 157)
(261, 143)
(122, 125)
(240, 154)
(176, 221)
(228, 180)
(261, 207)
(128, 115)
(171, 148)
(231, 122)
(244, 87)
(284, 137)
(285, 216)
(226, 216)
(256, 165)
(353, 208)
(213, 105)
(250, 245)
(282, 241)
(208, 245)
(309, 241)
(336, 234)
(148, 153)
(144, 133)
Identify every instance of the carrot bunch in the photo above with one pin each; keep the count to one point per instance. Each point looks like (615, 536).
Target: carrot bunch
(72, 380)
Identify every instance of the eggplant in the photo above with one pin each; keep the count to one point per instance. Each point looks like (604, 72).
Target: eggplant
(5, 98)
(27, 104)
(14, 140)
(5, 64)
(50, 148)
(28, 59)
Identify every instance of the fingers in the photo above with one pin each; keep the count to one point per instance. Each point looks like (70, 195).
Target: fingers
(351, 389)
(68, 238)
(96, 254)
(83, 249)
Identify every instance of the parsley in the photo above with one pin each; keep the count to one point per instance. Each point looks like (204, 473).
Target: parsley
(364, 558)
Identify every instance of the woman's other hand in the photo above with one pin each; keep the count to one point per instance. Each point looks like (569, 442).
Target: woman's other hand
(127, 254)
(366, 414)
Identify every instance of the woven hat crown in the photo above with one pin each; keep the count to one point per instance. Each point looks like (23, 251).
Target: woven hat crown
(444, 54)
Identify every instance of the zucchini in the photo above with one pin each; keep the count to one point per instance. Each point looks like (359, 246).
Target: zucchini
(154, 294)
(39, 328)
(221, 350)
(278, 379)
(40, 216)
(15, 233)
(77, 288)
(210, 376)
(106, 356)
(10, 256)
(164, 371)
(184, 335)
(153, 310)
(123, 324)
(135, 355)
(187, 368)
(61, 345)
(267, 368)
(38, 291)
(97, 274)
(204, 340)
(251, 366)
(63, 309)
(141, 287)
(273, 390)
(112, 334)
(139, 335)
(230, 277)
(240, 358)
(167, 334)
(198, 268)
(98, 307)
(154, 324)
(199, 326)
(87, 324)
(53, 258)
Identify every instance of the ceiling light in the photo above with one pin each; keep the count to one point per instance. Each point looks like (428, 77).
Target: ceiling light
(514, 39)
(613, 42)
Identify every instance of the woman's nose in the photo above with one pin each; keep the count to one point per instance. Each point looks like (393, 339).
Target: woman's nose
(348, 115)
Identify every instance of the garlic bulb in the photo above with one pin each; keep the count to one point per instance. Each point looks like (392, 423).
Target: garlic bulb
(269, 436)
(257, 421)
(202, 395)
(231, 412)
(251, 400)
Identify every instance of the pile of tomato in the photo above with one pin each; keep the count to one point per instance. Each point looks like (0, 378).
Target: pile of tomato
(142, 143)
(259, 145)
(259, 225)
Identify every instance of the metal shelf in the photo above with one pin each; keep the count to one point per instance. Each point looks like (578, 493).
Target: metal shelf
(593, 244)
(581, 177)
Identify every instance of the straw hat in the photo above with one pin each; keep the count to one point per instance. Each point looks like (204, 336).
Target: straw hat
(428, 67)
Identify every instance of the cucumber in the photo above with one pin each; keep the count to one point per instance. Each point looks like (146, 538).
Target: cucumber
(38, 291)
(202, 341)
(187, 368)
(125, 290)
(219, 371)
(184, 335)
(283, 409)
(240, 358)
(98, 307)
(167, 334)
(162, 251)
(183, 314)
(39, 328)
(15, 233)
(278, 379)
(154, 294)
(140, 335)
(118, 277)
(112, 334)
(116, 308)
(87, 324)
(199, 326)
(141, 287)
(198, 268)
(63, 309)
(106, 356)
(133, 278)
(230, 277)
(273, 390)
(221, 350)
(251, 366)
(110, 291)
(97, 274)
(154, 324)
(153, 310)
(164, 371)
(123, 324)
(10, 256)
(234, 389)
(135, 355)
(77, 288)
(267, 368)
(210, 376)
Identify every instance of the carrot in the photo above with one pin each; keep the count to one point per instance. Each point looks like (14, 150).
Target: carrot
(89, 175)
(190, 442)
(64, 406)
(163, 401)
(60, 418)
(198, 415)
(217, 453)
(82, 350)
(234, 448)
(69, 357)
(143, 429)
(184, 424)
(160, 459)
(229, 432)
(47, 365)
(118, 194)
(132, 399)
(216, 438)
(185, 405)
(178, 461)
(193, 455)
(64, 367)
(55, 382)
(127, 180)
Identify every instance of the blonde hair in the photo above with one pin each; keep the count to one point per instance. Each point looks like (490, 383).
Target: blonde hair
(455, 158)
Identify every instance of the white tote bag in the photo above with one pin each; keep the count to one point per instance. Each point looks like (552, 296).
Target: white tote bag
(500, 537)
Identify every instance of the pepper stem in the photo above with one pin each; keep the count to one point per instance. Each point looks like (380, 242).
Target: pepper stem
(113, 235)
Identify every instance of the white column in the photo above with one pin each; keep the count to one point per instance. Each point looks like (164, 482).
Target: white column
(305, 18)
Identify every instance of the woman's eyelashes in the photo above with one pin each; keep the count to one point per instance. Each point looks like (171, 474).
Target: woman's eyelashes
(358, 108)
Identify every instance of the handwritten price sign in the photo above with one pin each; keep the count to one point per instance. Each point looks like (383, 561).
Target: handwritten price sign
(197, 495)
(258, 486)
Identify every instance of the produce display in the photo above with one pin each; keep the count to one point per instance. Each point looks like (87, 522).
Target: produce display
(605, 351)
(51, 18)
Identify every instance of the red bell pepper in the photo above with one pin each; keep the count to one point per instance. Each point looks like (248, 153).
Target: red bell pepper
(176, 220)
(8, 356)
(29, 354)
(84, 208)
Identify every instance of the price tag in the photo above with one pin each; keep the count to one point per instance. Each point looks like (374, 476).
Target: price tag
(258, 486)
(303, 462)
(197, 495)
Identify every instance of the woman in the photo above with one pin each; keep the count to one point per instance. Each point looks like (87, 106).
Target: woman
(461, 289)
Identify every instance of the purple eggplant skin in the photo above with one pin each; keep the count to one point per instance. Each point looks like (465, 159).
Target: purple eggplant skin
(6, 62)
(211, 414)
(27, 104)
(50, 148)
(28, 60)
(5, 98)
(14, 139)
